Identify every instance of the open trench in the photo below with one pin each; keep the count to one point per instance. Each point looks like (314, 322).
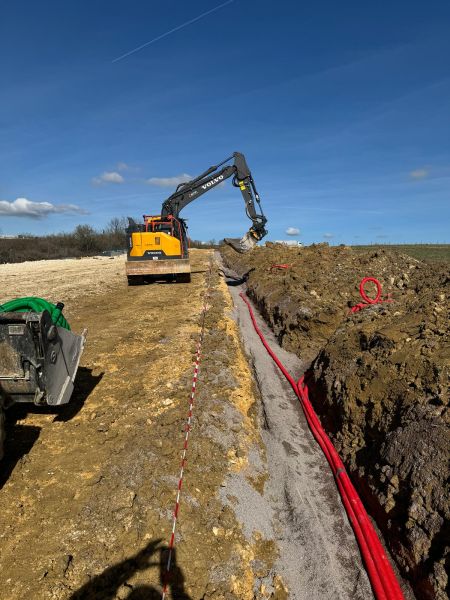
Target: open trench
(88, 493)
(378, 381)
(299, 506)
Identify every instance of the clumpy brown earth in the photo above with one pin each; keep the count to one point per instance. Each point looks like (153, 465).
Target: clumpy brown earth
(379, 381)
(87, 491)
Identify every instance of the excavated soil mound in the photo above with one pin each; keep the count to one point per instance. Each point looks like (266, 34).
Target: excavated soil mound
(379, 381)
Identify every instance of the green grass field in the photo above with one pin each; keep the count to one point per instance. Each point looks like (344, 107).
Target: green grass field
(425, 252)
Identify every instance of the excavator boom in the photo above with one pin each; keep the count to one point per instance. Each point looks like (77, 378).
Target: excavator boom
(211, 178)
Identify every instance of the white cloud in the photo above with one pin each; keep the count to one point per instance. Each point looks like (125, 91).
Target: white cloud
(123, 166)
(169, 181)
(292, 231)
(328, 236)
(22, 207)
(108, 177)
(419, 174)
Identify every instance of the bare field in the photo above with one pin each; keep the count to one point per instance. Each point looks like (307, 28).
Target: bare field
(65, 280)
(428, 252)
(88, 490)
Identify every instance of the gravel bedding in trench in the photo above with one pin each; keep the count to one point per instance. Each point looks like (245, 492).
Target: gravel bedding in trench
(378, 380)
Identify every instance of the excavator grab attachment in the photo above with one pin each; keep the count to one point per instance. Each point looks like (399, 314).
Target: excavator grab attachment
(243, 244)
(38, 359)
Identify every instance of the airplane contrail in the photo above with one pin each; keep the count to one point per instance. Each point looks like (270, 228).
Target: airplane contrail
(163, 35)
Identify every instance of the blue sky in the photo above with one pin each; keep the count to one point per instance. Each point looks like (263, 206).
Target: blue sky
(342, 110)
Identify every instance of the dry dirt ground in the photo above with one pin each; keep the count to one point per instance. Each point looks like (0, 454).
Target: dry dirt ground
(87, 491)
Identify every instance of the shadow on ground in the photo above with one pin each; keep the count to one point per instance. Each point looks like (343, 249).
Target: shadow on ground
(232, 278)
(20, 438)
(85, 383)
(19, 441)
(106, 585)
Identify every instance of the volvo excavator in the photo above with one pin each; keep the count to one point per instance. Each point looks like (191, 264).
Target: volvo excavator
(158, 248)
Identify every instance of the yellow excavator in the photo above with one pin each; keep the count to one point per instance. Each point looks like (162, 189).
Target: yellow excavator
(158, 248)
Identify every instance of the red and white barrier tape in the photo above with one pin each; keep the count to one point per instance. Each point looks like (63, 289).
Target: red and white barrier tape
(186, 436)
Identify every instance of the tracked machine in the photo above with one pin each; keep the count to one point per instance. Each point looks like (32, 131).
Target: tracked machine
(158, 248)
(39, 355)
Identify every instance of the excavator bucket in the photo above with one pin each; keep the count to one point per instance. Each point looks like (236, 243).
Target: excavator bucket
(38, 359)
(244, 244)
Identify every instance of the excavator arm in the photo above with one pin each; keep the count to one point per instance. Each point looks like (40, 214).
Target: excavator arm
(214, 176)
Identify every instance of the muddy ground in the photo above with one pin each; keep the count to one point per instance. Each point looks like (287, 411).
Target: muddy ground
(87, 490)
(378, 379)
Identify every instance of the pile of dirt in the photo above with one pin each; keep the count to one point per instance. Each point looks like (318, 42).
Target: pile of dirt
(306, 302)
(379, 381)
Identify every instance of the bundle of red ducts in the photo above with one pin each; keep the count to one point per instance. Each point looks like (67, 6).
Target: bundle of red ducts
(382, 578)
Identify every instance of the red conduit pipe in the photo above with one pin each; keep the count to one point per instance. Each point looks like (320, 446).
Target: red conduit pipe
(362, 291)
(377, 553)
(365, 551)
(368, 301)
(382, 578)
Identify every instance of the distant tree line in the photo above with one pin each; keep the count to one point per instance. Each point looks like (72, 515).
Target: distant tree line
(83, 241)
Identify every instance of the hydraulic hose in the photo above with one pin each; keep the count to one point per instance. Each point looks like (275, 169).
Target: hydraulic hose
(34, 304)
(381, 575)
